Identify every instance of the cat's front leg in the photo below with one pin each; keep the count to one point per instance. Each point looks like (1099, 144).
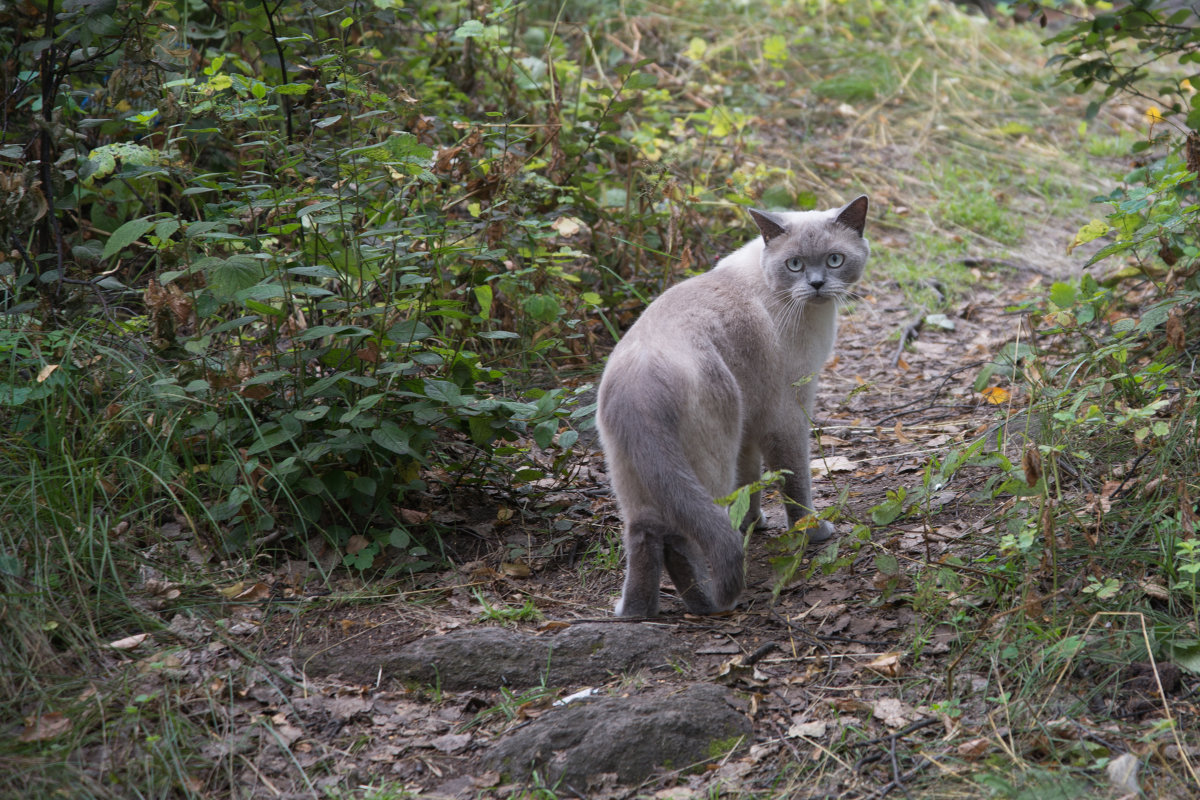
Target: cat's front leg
(749, 470)
(788, 449)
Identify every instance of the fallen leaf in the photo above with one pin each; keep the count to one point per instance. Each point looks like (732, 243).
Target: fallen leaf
(129, 642)
(996, 395)
(893, 712)
(258, 591)
(974, 749)
(413, 517)
(567, 226)
(45, 372)
(356, 543)
(733, 672)
(515, 569)
(809, 730)
(47, 726)
(850, 705)
(901, 436)
(1155, 590)
(825, 466)
(887, 665)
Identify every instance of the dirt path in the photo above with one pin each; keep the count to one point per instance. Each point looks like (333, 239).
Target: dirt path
(845, 663)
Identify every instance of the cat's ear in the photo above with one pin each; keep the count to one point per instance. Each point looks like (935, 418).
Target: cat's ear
(854, 214)
(768, 224)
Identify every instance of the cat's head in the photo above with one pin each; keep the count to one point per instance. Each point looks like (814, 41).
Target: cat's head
(814, 256)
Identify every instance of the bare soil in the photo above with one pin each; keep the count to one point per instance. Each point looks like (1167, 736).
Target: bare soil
(838, 678)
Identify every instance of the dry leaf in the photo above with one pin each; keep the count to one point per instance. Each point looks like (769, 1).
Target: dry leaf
(893, 712)
(567, 226)
(412, 517)
(129, 642)
(1031, 461)
(356, 543)
(258, 591)
(974, 749)
(515, 569)
(851, 705)
(809, 730)
(47, 726)
(887, 665)
(825, 466)
(1157, 591)
(553, 625)
(45, 372)
(901, 436)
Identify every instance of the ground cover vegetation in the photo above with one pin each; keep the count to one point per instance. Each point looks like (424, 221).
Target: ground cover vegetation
(325, 284)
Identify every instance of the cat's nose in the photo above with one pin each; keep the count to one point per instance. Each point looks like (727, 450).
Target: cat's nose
(817, 283)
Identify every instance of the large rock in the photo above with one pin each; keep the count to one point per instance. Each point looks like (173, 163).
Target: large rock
(623, 738)
(488, 658)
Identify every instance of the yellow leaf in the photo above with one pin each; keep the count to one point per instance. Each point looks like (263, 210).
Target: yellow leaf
(996, 395)
(1093, 230)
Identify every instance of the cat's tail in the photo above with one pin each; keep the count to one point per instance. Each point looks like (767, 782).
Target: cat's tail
(661, 494)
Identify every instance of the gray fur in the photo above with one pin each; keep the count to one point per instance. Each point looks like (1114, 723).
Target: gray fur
(716, 379)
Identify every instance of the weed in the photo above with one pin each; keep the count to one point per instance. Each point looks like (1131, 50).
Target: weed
(527, 612)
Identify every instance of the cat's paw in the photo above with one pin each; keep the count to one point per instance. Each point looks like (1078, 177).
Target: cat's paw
(759, 522)
(823, 532)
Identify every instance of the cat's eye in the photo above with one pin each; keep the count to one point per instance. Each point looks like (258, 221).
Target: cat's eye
(834, 260)
(795, 264)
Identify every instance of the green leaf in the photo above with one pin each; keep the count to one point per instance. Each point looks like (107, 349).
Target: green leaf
(126, 235)
(391, 436)
(483, 295)
(1062, 295)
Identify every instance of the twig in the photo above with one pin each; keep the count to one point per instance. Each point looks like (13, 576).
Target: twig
(911, 332)
(758, 654)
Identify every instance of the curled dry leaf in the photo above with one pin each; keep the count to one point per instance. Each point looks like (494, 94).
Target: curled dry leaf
(45, 372)
(887, 665)
(974, 749)
(1155, 590)
(1031, 462)
(129, 642)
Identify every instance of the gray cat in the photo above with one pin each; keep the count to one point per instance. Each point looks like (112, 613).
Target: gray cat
(715, 379)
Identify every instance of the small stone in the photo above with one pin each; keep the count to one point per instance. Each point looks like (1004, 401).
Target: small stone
(1123, 772)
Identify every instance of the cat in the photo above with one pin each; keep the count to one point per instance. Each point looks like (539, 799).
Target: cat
(716, 378)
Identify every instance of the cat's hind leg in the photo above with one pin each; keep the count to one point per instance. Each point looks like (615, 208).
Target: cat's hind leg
(689, 572)
(643, 569)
